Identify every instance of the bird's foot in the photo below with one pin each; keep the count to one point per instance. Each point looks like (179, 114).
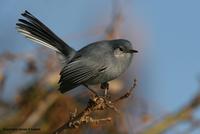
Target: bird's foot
(105, 86)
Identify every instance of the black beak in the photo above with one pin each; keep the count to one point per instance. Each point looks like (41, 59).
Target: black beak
(132, 51)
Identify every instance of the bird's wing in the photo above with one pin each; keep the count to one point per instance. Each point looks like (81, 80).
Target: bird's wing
(76, 73)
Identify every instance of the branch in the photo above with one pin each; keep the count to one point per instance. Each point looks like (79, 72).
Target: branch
(183, 115)
(42, 108)
(95, 103)
(113, 29)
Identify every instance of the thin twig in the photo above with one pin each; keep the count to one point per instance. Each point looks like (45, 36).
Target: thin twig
(170, 120)
(126, 95)
(96, 103)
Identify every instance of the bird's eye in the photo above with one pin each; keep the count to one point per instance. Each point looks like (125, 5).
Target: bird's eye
(121, 49)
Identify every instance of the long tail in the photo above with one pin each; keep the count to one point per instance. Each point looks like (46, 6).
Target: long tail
(36, 31)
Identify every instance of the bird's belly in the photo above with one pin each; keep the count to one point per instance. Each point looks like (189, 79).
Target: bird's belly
(100, 79)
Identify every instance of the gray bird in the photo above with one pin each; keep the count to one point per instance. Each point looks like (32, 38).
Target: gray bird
(96, 63)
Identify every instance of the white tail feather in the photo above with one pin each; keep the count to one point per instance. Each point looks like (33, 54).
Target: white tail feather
(35, 39)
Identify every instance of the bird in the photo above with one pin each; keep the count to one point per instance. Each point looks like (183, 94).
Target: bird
(96, 63)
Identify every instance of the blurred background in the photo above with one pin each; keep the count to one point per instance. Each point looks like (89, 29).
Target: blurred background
(166, 34)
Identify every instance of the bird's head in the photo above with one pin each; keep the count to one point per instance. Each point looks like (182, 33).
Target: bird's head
(122, 48)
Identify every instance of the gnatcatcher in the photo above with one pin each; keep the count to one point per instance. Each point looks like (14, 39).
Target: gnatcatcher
(96, 63)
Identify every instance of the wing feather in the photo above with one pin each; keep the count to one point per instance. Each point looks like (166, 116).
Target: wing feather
(75, 74)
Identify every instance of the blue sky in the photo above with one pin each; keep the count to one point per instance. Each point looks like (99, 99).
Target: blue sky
(174, 48)
(173, 38)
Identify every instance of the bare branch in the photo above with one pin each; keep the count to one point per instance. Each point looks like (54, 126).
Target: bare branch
(36, 115)
(183, 115)
(96, 103)
(128, 93)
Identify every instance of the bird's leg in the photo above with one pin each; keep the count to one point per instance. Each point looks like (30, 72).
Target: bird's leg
(105, 86)
(91, 90)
